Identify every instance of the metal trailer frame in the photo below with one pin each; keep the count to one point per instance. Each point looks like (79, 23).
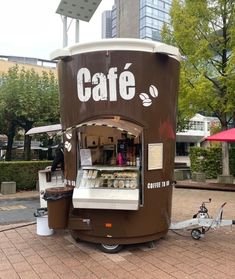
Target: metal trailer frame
(202, 222)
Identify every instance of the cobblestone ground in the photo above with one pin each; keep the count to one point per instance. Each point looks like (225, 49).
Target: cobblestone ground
(24, 254)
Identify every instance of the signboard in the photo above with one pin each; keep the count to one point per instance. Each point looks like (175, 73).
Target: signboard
(155, 156)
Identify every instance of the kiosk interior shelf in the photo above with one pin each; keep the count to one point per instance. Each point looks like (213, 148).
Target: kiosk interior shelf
(107, 187)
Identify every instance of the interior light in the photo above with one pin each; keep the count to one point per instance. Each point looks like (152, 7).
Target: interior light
(108, 225)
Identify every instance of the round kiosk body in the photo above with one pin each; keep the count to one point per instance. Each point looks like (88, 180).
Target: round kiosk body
(118, 112)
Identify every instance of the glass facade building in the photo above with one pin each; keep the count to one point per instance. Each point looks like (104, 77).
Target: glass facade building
(106, 24)
(152, 14)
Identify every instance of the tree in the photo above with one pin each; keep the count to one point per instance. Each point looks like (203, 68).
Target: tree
(27, 99)
(204, 31)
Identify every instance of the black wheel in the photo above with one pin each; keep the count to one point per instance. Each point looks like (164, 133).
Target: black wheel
(110, 249)
(196, 234)
(151, 244)
(74, 235)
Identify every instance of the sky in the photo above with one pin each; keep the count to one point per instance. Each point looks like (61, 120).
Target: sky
(31, 28)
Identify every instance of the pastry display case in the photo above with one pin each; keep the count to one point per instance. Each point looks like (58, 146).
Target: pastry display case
(107, 187)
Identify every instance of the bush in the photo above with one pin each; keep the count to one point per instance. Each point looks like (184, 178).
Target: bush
(209, 161)
(24, 173)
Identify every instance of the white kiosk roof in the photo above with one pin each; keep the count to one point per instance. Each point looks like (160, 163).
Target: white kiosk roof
(118, 44)
(45, 129)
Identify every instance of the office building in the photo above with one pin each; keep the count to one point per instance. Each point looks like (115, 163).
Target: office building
(140, 18)
(106, 31)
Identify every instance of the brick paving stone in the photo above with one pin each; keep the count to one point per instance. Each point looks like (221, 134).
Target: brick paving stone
(24, 254)
(188, 269)
(5, 265)
(28, 275)
(60, 269)
(100, 271)
(89, 276)
(49, 275)
(129, 266)
(108, 264)
(41, 268)
(22, 266)
(69, 275)
(170, 260)
(35, 259)
(80, 270)
(10, 251)
(6, 244)
(161, 274)
(45, 253)
(166, 267)
(115, 258)
(16, 258)
(52, 260)
(201, 275)
(61, 254)
(140, 274)
(180, 275)
(121, 273)
(90, 263)
(8, 274)
(28, 253)
(70, 262)
(147, 266)
(54, 247)
(131, 258)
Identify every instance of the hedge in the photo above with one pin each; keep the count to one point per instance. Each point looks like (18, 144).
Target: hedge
(24, 173)
(209, 161)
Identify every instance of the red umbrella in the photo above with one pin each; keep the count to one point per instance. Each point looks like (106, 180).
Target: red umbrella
(227, 135)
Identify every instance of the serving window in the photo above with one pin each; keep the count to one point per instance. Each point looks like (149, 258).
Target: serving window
(109, 168)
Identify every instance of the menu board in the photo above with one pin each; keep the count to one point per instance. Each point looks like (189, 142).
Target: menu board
(85, 155)
(155, 156)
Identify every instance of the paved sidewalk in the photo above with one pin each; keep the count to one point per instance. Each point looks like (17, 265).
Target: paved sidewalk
(20, 195)
(24, 254)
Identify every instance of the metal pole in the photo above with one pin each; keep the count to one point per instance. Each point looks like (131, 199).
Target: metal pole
(65, 33)
(77, 31)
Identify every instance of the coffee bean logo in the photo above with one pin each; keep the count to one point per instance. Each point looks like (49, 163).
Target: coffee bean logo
(68, 146)
(145, 97)
(153, 91)
(68, 134)
(147, 102)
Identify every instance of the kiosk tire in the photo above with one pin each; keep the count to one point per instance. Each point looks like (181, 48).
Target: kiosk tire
(110, 249)
(196, 234)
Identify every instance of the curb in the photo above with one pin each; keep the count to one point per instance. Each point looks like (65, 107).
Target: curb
(20, 196)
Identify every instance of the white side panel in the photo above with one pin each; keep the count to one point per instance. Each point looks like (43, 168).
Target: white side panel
(123, 199)
(56, 181)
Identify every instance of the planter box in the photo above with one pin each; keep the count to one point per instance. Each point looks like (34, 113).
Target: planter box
(227, 179)
(8, 188)
(199, 176)
(182, 174)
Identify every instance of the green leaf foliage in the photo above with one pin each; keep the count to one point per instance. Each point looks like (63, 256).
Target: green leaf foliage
(27, 96)
(204, 31)
(209, 161)
(27, 99)
(24, 173)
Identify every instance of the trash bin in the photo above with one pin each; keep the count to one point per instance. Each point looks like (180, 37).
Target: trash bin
(58, 205)
(42, 222)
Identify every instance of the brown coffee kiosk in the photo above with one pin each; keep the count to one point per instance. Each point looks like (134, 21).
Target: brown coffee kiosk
(118, 113)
